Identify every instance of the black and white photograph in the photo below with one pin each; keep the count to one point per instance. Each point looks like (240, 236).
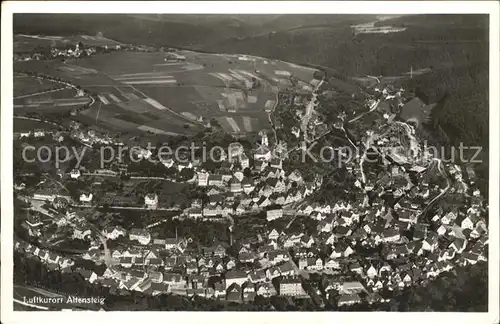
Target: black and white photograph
(257, 160)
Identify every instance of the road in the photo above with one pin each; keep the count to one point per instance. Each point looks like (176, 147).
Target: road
(309, 111)
(443, 192)
(39, 93)
(372, 108)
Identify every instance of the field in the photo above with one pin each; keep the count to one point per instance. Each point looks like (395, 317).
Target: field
(205, 85)
(25, 85)
(142, 92)
(26, 125)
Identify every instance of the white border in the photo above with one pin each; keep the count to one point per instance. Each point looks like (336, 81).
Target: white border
(282, 7)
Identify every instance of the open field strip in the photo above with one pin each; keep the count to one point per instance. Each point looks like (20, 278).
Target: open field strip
(130, 96)
(103, 99)
(233, 124)
(189, 115)
(169, 63)
(114, 98)
(138, 74)
(222, 76)
(247, 123)
(155, 104)
(155, 130)
(252, 99)
(221, 105)
(238, 76)
(145, 77)
(251, 75)
(167, 81)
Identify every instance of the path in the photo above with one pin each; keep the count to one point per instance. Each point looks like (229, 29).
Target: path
(39, 93)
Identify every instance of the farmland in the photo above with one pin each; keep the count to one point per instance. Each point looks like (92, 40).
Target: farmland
(144, 92)
(203, 86)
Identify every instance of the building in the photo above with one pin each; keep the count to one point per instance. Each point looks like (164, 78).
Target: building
(86, 198)
(75, 174)
(244, 161)
(235, 277)
(151, 200)
(215, 180)
(291, 286)
(113, 232)
(140, 235)
(263, 153)
(203, 179)
(273, 214)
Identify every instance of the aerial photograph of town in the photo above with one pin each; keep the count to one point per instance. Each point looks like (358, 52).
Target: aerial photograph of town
(251, 162)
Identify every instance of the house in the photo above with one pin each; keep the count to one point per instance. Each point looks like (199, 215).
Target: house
(174, 243)
(286, 269)
(113, 232)
(75, 174)
(88, 275)
(350, 287)
(234, 293)
(126, 262)
(231, 264)
(235, 277)
(81, 233)
(244, 160)
(314, 264)
(219, 289)
(195, 213)
(262, 153)
(459, 245)
(174, 280)
(448, 218)
(216, 250)
(331, 264)
(151, 200)
(215, 180)
(140, 235)
(277, 256)
(391, 235)
(144, 285)
(155, 276)
(274, 235)
(468, 222)
(257, 276)
(53, 258)
(86, 198)
(247, 257)
(291, 286)
(273, 214)
(265, 289)
(203, 179)
(371, 272)
(430, 243)
(356, 267)
(235, 185)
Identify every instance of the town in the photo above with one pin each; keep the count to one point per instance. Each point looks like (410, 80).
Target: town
(273, 236)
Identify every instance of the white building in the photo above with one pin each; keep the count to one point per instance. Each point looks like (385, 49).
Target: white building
(86, 198)
(75, 174)
(151, 200)
(140, 235)
(273, 214)
(203, 179)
